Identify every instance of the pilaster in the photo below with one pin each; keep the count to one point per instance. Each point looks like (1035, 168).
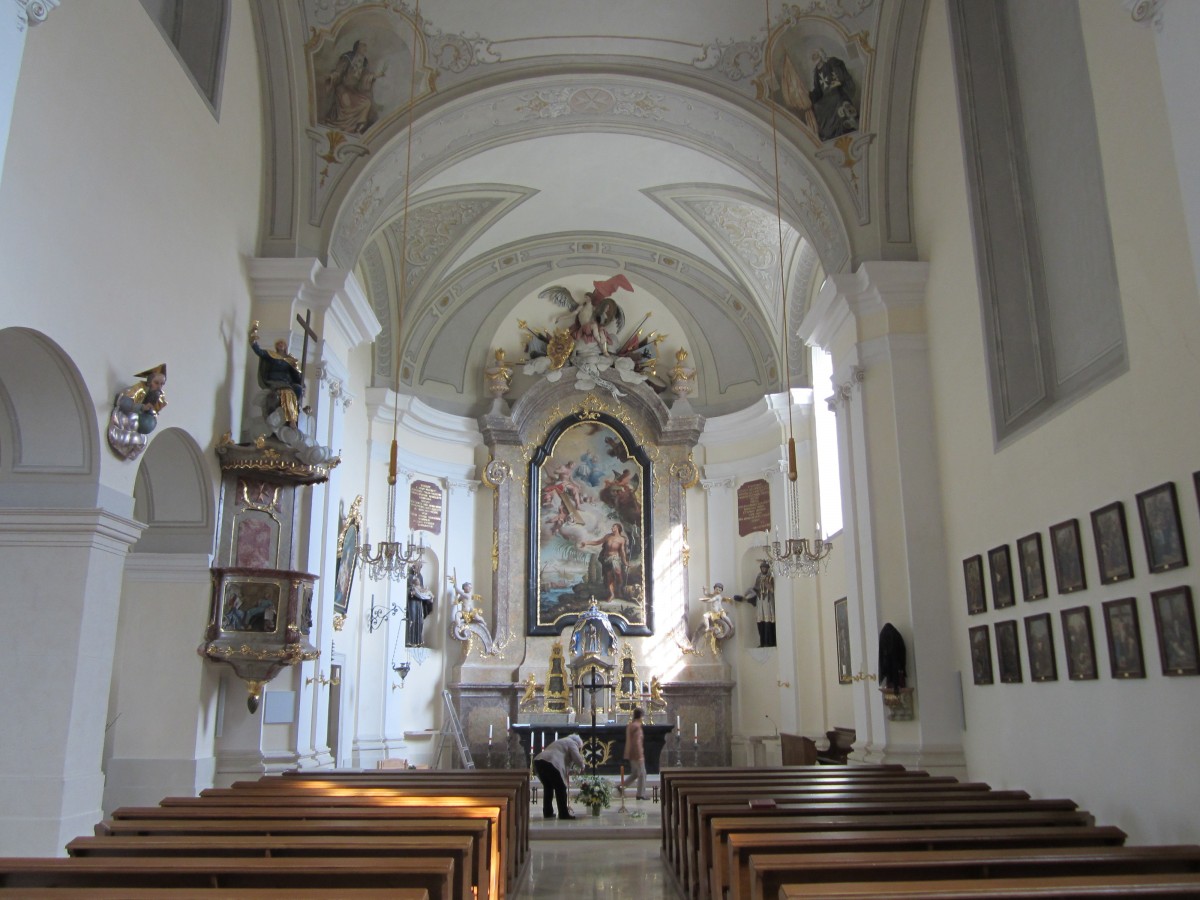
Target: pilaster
(872, 322)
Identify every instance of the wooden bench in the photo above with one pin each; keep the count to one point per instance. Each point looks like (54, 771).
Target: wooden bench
(689, 797)
(163, 893)
(741, 845)
(720, 827)
(515, 814)
(435, 875)
(676, 782)
(1078, 887)
(477, 830)
(331, 820)
(451, 781)
(768, 874)
(701, 843)
(467, 876)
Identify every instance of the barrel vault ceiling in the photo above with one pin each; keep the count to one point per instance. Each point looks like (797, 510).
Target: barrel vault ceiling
(560, 142)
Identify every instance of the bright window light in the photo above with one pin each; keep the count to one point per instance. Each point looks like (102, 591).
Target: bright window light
(829, 476)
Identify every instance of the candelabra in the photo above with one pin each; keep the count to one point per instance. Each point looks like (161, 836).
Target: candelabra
(391, 560)
(797, 556)
(321, 680)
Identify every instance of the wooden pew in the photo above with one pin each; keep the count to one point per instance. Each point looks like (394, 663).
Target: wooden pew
(700, 844)
(295, 790)
(720, 827)
(476, 830)
(162, 893)
(676, 780)
(741, 846)
(467, 876)
(435, 875)
(768, 874)
(689, 796)
(514, 778)
(498, 852)
(1077, 887)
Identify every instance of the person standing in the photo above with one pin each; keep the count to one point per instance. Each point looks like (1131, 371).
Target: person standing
(552, 766)
(635, 752)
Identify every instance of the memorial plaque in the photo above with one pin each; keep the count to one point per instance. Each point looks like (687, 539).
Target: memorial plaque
(754, 507)
(425, 507)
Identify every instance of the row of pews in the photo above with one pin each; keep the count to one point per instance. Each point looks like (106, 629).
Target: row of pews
(354, 835)
(885, 831)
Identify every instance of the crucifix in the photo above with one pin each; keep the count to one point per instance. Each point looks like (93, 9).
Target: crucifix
(308, 333)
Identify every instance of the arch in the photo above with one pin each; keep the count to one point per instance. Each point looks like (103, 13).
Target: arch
(49, 434)
(619, 103)
(174, 495)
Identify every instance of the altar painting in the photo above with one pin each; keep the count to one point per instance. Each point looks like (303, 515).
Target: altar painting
(590, 527)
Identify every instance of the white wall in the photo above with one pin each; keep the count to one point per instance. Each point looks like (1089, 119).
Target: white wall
(1118, 748)
(126, 211)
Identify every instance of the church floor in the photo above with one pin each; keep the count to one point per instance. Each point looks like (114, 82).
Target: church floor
(614, 856)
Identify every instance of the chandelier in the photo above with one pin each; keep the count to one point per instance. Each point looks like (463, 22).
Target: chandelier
(792, 557)
(391, 560)
(797, 557)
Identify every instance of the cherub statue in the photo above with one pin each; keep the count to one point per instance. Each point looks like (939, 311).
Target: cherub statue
(530, 695)
(135, 412)
(715, 624)
(468, 623)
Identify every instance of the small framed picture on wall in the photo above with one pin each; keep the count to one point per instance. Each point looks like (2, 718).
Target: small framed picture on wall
(1112, 543)
(1068, 556)
(1162, 530)
(1124, 638)
(1081, 648)
(1033, 567)
(1000, 567)
(973, 579)
(1175, 623)
(1040, 640)
(1008, 650)
(841, 628)
(981, 654)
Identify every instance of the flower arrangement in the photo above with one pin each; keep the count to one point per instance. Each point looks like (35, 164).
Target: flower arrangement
(595, 792)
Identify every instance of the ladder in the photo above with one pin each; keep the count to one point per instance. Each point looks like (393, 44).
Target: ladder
(452, 728)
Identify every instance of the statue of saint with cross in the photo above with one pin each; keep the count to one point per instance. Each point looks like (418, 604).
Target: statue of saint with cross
(281, 374)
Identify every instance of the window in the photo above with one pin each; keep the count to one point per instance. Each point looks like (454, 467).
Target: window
(829, 470)
(197, 29)
(1050, 302)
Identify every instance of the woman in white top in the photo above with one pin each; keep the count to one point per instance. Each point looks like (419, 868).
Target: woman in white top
(551, 766)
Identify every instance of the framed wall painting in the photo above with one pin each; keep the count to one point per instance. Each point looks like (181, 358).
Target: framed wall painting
(1033, 567)
(590, 526)
(981, 654)
(1039, 639)
(1079, 643)
(1068, 556)
(1000, 570)
(841, 626)
(349, 538)
(1175, 623)
(1162, 530)
(973, 580)
(1124, 638)
(1008, 650)
(1112, 543)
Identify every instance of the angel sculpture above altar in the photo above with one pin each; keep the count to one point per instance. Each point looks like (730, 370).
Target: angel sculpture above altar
(589, 336)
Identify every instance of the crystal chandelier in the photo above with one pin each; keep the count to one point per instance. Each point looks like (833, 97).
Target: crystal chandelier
(392, 559)
(793, 557)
